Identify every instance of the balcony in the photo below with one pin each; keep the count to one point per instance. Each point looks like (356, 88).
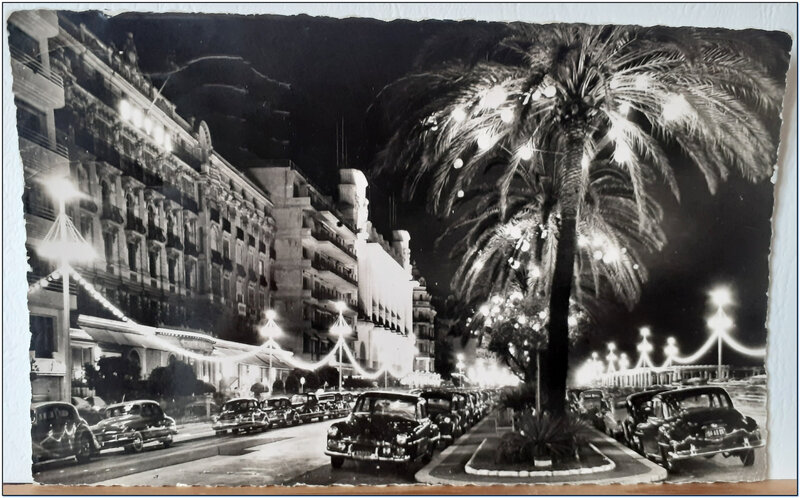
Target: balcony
(135, 224)
(216, 257)
(112, 213)
(189, 204)
(323, 265)
(227, 264)
(190, 249)
(100, 149)
(240, 271)
(89, 204)
(155, 232)
(226, 225)
(251, 274)
(325, 236)
(214, 213)
(40, 207)
(31, 78)
(324, 294)
(36, 148)
(262, 281)
(174, 242)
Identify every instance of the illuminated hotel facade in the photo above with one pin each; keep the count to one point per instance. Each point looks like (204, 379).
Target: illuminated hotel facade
(424, 327)
(184, 241)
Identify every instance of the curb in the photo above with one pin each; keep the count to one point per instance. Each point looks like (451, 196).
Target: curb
(608, 466)
(424, 474)
(657, 473)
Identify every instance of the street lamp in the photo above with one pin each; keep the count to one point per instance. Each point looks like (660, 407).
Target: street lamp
(644, 348)
(670, 351)
(271, 331)
(720, 322)
(64, 244)
(340, 329)
(624, 362)
(611, 357)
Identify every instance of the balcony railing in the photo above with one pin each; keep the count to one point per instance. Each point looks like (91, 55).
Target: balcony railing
(189, 203)
(155, 232)
(41, 208)
(216, 257)
(262, 281)
(112, 213)
(135, 223)
(174, 242)
(241, 271)
(36, 66)
(190, 249)
(227, 264)
(325, 236)
(323, 265)
(323, 293)
(43, 141)
(88, 204)
(251, 274)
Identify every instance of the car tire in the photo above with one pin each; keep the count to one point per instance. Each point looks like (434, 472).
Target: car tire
(83, 453)
(219, 433)
(337, 462)
(136, 445)
(166, 442)
(748, 458)
(428, 456)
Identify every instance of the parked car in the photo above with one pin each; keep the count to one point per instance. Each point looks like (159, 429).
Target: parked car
(279, 411)
(443, 409)
(333, 405)
(612, 415)
(240, 415)
(694, 422)
(384, 427)
(91, 414)
(133, 424)
(307, 407)
(638, 408)
(58, 431)
(461, 408)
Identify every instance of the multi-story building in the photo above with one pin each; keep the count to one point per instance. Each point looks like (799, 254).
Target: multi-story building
(424, 329)
(385, 321)
(184, 240)
(38, 91)
(316, 263)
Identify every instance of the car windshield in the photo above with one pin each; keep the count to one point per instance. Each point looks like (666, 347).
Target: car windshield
(396, 407)
(299, 399)
(119, 411)
(274, 403)
(239, 405)
(438, 404)
(696, 402)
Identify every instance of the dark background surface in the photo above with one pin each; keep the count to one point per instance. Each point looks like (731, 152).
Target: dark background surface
(325, 73)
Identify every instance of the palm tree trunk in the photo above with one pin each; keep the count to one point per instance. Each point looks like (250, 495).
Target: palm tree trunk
(556, 359)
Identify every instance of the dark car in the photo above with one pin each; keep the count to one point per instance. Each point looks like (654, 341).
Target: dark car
(280, 411)
(695, 422)
(307, 407)
(444, 408)
(333, 405)
(58, 431)
(638, 409)
(240, 415)
(133, 424)
(471, 409)
(384, 427)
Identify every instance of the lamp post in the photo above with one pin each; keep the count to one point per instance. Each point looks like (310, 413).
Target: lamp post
(64, 244)
(460, 366)
(720, 322)
(611, 357)
(340, 329)
(271, 331)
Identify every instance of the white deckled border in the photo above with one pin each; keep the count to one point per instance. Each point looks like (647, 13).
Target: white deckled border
(470, 469)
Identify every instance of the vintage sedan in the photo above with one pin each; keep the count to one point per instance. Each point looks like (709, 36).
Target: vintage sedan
(638, 406)
(58, 431)
(240, 415)
(279, 411)
(444, 409)
(308, 407)
(333, 405)
(384, 427)
(697, 422)
(133, 424)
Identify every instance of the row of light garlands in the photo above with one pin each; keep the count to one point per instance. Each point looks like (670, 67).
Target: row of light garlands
(64, 244)
(719, 325)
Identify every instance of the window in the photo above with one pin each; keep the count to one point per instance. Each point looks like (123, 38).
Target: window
(132, 250)
(213, 241)
(171, 264)
(87, 228)
(30, 118)
(226, 288)
(226, 249)
(261, 267)
(239, 296)
(25, 44)
(83, 180)
(43, 336)
(215, 281)
(187, 277)
(154, 264)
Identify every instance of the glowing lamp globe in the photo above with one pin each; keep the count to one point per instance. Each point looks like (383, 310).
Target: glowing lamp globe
(61, 189)
(458, 114)
(721, 296)
(525, 152)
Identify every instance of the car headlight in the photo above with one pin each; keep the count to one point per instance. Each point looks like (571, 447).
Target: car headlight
(402, 439)
(333, 431)
(446, 420)
(215, 418)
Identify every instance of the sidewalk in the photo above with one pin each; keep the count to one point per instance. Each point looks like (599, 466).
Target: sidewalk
(193, 431)
(448, 467)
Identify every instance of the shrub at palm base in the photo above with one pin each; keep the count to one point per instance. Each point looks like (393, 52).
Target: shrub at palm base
(543, 439)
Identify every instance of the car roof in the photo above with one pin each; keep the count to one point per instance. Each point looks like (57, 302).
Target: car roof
(132, 402)
(646, 394)
(691, 390)
(390, 394)
(240, 399)
(43, 404)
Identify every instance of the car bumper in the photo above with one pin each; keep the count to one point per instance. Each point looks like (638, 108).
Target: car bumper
(234, 425)
(692, 450)
(115, 440)
(373, 457)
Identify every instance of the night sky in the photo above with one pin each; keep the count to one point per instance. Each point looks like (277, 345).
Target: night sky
(326, 73)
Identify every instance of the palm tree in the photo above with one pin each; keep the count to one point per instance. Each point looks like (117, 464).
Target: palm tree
(561, 102)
